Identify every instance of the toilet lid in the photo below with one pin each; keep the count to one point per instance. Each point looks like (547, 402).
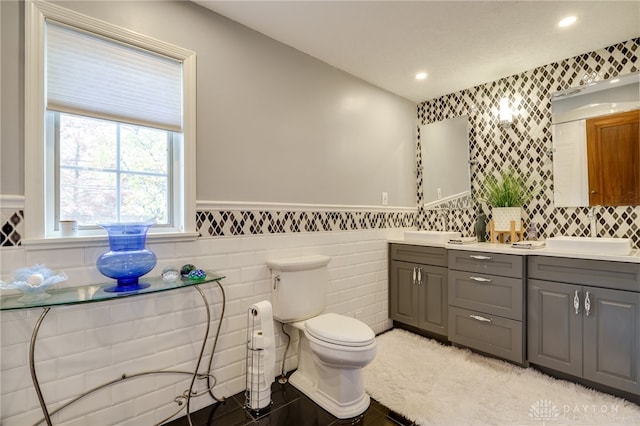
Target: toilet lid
(339, 330)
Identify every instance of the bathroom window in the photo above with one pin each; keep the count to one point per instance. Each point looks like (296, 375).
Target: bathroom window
(110, 122)
(110, 171)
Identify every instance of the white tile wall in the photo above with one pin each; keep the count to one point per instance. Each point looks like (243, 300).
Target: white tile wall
(80, 347)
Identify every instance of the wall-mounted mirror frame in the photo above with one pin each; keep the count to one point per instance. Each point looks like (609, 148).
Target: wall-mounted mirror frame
(572, 111)
(445, 160)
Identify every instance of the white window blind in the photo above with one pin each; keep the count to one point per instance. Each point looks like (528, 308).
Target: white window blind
(93, 76)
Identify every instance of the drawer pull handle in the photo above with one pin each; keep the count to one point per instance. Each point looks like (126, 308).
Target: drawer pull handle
(480, 279)
(576, 302)
(415, 273)
(587, 304)
(419, 276)
(479, 318)
(479, 257)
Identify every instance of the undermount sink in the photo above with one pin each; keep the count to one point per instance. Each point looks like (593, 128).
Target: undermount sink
(593, 245)
(431, 236)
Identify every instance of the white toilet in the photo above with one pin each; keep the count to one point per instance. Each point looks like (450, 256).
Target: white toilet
(333, 348)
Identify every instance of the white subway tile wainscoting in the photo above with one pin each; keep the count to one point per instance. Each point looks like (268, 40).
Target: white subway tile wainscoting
(80, 347)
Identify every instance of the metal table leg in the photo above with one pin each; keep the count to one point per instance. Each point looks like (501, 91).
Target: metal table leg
(204, 345)
(32, 366)
(186, 397)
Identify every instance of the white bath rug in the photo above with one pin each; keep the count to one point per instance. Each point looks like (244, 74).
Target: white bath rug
(433, 384)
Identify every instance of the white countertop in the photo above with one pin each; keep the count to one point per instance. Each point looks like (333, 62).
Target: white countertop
(634, 257)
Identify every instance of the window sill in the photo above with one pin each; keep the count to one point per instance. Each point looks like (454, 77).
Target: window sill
(83, 241)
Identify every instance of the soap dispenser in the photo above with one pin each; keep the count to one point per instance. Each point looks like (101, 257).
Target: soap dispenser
(480, 227)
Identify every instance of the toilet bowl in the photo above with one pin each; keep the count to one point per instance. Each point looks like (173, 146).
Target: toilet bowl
(332, 351)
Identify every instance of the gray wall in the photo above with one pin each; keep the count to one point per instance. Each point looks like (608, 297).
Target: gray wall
(274, 124)
(11, 99)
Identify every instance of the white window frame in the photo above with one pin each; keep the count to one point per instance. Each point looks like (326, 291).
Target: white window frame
(38, 229)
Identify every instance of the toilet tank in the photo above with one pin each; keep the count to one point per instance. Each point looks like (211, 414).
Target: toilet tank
(298, 287)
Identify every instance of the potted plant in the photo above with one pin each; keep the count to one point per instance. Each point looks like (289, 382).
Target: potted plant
(506, 193)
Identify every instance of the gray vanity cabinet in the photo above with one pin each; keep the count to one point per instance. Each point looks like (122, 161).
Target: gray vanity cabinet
(486, 303)
(418, 287)
(554, 332)
(584, 319)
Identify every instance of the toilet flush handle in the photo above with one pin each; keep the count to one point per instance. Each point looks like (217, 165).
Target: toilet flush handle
(276, 280)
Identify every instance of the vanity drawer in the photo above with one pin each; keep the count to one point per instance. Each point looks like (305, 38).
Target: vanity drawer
(494, 335)
(596, 273)
(486, 293)
(436, 256)
(506, 265)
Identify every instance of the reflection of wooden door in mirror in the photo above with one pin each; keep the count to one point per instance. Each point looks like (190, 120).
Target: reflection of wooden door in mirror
(613, 155)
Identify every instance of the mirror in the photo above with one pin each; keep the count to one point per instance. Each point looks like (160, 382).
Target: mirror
(445, 161)
(596, 152)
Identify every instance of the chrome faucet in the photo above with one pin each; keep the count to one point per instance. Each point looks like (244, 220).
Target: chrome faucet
(593, 220)
(443, 213)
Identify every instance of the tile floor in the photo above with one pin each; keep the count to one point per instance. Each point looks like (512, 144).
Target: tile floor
(289, 407)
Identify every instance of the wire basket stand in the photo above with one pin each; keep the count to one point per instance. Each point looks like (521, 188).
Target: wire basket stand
(258, 391)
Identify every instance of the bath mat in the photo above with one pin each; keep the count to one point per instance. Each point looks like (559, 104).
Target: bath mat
(433, 384)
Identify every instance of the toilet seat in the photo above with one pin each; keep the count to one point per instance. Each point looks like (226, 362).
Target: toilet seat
(339, 330)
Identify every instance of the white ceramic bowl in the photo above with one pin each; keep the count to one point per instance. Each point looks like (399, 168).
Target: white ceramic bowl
(33, 282)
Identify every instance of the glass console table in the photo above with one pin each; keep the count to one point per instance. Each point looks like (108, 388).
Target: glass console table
(95, 294)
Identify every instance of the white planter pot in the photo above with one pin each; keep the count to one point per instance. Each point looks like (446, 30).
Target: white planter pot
(502, 217)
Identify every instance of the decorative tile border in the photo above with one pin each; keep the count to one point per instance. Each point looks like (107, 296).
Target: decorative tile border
(218, 223)
(256, 222)
(525, 144)
(11, 227)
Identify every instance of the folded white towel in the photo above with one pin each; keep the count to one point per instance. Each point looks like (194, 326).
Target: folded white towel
(463, 240)
(528, 244)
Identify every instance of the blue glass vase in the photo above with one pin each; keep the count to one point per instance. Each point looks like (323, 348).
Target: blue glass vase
(128, 259)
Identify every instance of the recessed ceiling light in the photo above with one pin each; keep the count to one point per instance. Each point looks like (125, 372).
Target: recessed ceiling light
(421, 76)
(567, 21)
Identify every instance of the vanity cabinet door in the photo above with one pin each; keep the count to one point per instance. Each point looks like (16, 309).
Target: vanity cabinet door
(418, 296)
(403, 293)
(433, 299)
(611, 338)
(587, 332)
(554, 328)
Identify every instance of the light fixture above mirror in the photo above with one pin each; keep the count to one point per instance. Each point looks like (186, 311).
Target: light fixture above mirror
(505, 114)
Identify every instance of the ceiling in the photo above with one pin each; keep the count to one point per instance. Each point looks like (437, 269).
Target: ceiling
(460, 44)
